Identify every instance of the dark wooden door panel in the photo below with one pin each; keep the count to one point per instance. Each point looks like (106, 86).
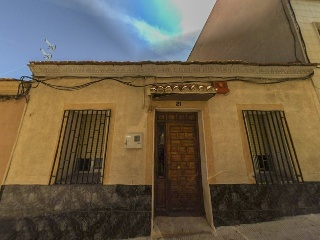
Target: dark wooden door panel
(182, 174)
(181, 184)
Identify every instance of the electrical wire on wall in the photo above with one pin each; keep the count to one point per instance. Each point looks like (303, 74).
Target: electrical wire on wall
(22, 91)
(94, 80)
(299, 30)
(292, 32)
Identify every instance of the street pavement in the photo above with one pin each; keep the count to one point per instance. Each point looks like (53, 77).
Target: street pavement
(304, 227)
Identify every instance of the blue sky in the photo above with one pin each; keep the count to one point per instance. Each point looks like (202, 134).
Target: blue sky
(98, 30)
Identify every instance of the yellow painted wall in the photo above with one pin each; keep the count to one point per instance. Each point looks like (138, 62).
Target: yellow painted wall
(34, 156)
(231, 152)
(10, 117)
(225, 154)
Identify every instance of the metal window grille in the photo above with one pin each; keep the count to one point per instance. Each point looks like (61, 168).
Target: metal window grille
(81, 151)
(272, 152)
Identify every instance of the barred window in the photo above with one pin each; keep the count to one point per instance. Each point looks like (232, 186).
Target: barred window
(81, 151)
(272, 152)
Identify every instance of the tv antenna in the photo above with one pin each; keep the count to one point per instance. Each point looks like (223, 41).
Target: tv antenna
(47, 56)
(50, 47)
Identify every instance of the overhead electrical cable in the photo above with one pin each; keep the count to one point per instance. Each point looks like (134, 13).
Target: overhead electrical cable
(255, 80)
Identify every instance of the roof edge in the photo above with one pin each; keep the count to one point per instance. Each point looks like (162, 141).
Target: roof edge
(31, 63)
(169, 69)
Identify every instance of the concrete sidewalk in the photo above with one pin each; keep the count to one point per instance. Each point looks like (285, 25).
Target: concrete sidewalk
(305, 227)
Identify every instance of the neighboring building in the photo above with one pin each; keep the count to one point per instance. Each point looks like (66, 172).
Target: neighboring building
(264, 32)
(12, 107)
(106, 147)
(307, 15)
(251, 31)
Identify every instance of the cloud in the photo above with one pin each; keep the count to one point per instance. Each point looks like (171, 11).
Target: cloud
(13, 70)
(106, 18)
(134, 29)
(177, 48)
(194, 13)
(123, 28)
(113, 15)
(6, 40)
(151, 34)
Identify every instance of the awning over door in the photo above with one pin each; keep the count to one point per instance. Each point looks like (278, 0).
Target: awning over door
(183, 92)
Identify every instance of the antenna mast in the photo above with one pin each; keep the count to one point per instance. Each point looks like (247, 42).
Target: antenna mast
(51, 48)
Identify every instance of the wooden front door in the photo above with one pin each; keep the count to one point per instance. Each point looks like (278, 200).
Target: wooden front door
(178, 188)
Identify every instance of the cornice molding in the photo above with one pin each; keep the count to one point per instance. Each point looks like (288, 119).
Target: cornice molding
(9, 87)
(170, 70)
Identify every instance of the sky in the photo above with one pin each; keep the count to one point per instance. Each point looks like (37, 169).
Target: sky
(98, 30)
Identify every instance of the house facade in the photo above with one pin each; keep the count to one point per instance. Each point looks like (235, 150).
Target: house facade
(104, 148)
(232, 135)
(12, 106)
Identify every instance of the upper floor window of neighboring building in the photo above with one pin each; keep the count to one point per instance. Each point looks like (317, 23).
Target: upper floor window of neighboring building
(272, 152)
(81, 151)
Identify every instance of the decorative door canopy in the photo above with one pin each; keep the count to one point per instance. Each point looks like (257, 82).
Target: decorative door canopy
(185, 92)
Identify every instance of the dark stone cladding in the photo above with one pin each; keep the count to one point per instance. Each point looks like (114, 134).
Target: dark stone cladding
(75, 211)
(234, 204)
